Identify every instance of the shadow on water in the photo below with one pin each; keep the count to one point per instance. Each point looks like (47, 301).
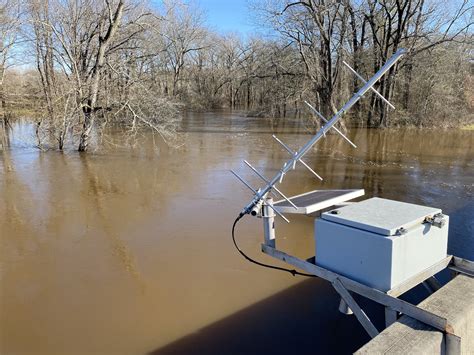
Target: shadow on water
(303, 317)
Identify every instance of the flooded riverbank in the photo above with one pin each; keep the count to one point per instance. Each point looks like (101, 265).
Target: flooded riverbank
(128, 251)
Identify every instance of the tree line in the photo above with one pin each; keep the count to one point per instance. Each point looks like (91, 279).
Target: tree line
(97, 63)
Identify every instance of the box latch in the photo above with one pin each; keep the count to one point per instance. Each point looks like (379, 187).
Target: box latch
(438, 220)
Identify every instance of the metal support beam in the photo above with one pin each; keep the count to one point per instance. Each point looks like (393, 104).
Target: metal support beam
(396, 304)
(462, 265)
(452, 344)
(358, 312)
(269, 223)
(344, 308)
(390, 316)
(434, 283)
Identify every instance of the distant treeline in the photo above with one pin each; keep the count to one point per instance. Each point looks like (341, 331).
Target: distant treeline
(96, 62)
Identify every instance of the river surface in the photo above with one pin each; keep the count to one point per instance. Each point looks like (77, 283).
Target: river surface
(128, 250)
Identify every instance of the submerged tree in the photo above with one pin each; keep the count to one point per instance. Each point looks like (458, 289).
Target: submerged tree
(90, 41)
(129, 62)
(10, 22)
(366, 34)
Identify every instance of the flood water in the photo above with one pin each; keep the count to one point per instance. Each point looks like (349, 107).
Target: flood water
(128, 250)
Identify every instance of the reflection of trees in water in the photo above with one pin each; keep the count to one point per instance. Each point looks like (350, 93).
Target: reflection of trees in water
(391, 163)
(16, 231)
(98, 187)
(4, 134)
(377, 152)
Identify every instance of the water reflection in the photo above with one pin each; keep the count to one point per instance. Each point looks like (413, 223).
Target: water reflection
(127, 250)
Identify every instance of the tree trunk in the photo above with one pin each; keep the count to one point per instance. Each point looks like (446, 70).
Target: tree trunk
(86, 131)
(89, 111)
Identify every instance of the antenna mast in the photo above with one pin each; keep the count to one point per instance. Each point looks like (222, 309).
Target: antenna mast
(255, 205)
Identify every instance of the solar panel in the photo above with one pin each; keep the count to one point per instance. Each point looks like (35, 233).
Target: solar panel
(316, 200)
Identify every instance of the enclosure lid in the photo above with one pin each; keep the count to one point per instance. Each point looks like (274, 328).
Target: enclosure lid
(381, 216)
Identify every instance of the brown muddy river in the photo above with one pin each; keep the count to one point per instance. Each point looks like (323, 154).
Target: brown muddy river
(128, 251)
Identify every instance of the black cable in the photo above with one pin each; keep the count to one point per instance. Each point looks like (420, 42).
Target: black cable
(291, 271)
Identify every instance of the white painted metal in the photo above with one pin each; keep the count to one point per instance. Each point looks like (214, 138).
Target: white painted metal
(380, 261)
(278, 213)
(381, 216)
(312, 207)
(269, 223)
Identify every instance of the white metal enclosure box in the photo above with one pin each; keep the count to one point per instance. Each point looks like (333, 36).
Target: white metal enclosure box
(380, 242)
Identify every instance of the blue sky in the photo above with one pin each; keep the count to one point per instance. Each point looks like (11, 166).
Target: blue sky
(227, 15)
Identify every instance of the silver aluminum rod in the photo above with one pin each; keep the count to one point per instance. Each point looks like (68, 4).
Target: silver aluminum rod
(274, 187)
(325, 128)
(334, 127)
(300, 160)
(288, 149)
(244, 182)
(256, 193)
(311, 170)
(316, 111)
(364, 81)
(277, 212)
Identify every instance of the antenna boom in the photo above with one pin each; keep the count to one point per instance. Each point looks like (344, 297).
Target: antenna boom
(322, 132)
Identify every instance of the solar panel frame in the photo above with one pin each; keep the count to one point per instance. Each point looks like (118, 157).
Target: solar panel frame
(316, 200)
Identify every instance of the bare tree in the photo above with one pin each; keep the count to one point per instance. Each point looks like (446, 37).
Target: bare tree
(82, 37)
(10, 22)
(121, 61)
(317, 28)
(183, 34)
(414, 25)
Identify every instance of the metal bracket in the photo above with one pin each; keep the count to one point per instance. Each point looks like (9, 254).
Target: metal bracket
(438, 220)
(388, 299)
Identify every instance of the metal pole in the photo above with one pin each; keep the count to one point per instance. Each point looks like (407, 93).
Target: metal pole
(269, 223)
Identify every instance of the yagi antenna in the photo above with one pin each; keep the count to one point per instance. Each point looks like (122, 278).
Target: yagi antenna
(371, 88)
(325, 121)
(288, 149)
(255, 205)
(274, 187)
